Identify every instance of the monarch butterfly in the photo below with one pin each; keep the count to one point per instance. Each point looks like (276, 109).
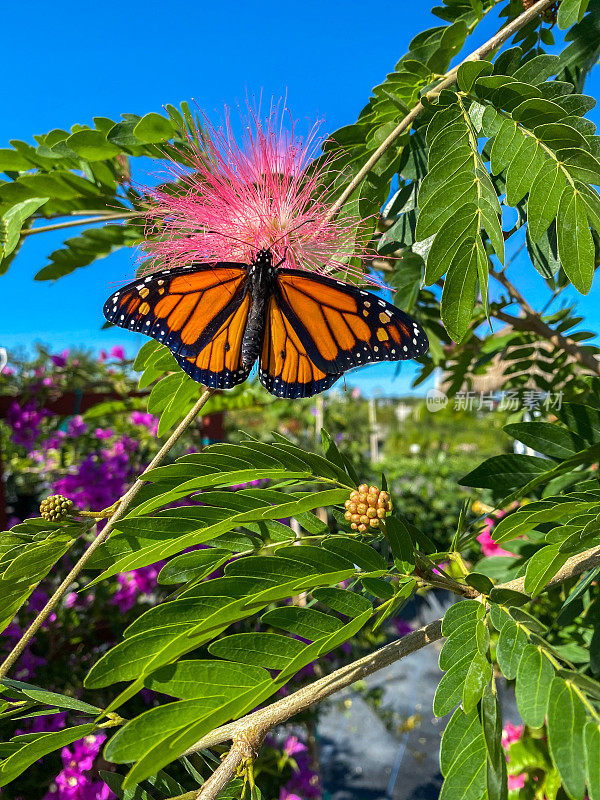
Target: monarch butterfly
(306, 329)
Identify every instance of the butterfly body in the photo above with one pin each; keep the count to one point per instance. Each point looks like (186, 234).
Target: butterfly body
(304, 328)
(260, 285)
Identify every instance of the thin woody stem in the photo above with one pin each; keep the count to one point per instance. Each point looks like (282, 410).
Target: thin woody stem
(532, 321)
(448, 80)
(258, 723)
(119, 512)
(72, 223)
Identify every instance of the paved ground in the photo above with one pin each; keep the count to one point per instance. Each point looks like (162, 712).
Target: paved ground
(362, 758)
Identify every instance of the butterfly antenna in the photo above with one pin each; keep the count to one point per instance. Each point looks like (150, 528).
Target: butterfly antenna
(235, 238)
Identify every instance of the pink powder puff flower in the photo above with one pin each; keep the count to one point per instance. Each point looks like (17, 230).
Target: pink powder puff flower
(511, 733)
(516, 781)
(238, 196)
(488, 545)
(104, 433)
(103, 356)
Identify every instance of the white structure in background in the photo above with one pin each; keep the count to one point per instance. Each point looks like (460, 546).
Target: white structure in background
(522, 449)
(402, 412)
(3, 358)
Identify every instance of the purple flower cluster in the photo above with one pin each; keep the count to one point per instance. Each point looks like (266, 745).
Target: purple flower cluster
(133, 584)
(28, 662)
(101, 477)
(60, 359)
(304, 783)
(73, 782)
(25, 422)
(147, 420)
(76, 426)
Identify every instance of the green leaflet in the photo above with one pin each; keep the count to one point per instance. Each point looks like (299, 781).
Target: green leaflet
(449, 692)
(566, 719)
(459, 293)
(347, 603)
(22, 574)
(460, 732)
(189, 680)
(575, 243)
(462, 641)
(27, 755)
(542, 566)
(506, 472)
(11, 223)
(591, 737)
(400, 543)
(570, 12)
(153, 128)
(139, 735)
(496, 774)
(305, 622)
(534, 677)
(466, 778)
(270, 650)
(459, 613)
(477, 678)
(512, 641)
(551, 440)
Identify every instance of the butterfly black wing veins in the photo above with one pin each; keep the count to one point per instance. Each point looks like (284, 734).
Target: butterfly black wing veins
(307, 329)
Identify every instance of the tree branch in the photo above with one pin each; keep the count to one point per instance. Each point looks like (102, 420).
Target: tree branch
(258, 723)
(533, 322)
(72, 223)
(448, 80)
(119, 512)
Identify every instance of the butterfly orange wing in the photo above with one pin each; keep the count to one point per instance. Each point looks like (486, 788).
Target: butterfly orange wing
(219, 363)
(342, 326)
(285, 368)
(181, 308)
(318, 328)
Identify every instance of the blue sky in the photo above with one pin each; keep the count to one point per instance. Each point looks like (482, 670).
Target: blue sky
(71, 61)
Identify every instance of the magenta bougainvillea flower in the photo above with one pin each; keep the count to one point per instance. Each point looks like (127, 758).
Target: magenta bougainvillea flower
(238, 196)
